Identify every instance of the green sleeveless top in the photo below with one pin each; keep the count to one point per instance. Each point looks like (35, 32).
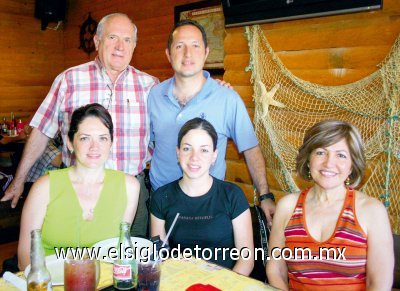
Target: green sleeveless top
(63, 224)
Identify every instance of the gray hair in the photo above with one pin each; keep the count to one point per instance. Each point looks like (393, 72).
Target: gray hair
(103, 21)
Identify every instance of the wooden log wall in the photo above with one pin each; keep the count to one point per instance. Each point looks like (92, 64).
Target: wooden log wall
(331, 50)
(30, 58)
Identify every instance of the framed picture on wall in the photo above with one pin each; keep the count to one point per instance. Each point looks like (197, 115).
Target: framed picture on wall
(209, 14)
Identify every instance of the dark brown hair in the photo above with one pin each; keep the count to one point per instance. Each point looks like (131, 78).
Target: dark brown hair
(198, 123)
(183, 23)
(90, 110)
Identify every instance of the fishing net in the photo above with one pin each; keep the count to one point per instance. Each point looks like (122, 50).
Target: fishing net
(287, 106)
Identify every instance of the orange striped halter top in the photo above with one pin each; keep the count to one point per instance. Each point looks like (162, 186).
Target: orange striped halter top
(338, 263)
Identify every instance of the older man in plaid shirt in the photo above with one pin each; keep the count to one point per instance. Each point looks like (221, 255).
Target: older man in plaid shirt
(119, 87)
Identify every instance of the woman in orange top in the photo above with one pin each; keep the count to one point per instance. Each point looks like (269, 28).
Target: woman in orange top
(331, 236)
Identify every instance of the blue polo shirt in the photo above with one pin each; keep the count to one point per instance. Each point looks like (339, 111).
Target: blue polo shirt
(221, 106)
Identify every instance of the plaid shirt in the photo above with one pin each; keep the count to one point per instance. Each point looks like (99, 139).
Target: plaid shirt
(126, 100)
(44, 165)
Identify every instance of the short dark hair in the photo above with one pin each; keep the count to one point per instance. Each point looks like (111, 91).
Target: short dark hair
(326, 133)
(183, 23)
(198, 123)
(90, 110)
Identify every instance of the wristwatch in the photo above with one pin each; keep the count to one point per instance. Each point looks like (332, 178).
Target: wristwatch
(269, 195)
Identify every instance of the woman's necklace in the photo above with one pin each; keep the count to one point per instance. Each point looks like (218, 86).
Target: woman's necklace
(88, 215)
(88, 197)
(87, 192)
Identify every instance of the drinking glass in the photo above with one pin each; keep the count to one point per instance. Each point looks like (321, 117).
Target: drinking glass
(149, 274)
(81, 275)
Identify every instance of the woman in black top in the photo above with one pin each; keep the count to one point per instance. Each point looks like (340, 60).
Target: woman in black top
(214, 215)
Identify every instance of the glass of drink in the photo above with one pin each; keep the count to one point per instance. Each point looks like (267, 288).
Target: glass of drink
(81, 275)
(149, 274)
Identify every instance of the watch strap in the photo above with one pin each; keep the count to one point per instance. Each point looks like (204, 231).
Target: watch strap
(269, 195)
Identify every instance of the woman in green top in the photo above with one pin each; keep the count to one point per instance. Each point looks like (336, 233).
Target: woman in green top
(85, 203)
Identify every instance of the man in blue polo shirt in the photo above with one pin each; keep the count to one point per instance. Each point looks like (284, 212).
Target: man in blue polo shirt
(193, 93)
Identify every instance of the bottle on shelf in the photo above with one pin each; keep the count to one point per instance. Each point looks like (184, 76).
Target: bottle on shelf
(12, 123)
(19, 126)
(4, 126)
(125, 269)
(39, 277)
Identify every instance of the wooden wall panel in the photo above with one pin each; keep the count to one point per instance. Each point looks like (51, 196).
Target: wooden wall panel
(16, 7)
(347, 47)
(30, 58)
(332, 50)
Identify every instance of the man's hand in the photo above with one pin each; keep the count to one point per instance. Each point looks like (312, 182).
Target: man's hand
(268, 206)
(13, 192)
(223, 83)
(33, 149)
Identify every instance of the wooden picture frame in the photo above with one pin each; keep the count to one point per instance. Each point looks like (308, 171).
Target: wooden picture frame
(209, 14)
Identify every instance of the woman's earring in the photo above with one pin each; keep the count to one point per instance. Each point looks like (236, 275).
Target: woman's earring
(347, 181)
(309, 172)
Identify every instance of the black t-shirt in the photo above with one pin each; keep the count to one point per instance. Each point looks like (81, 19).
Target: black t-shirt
(205, 221)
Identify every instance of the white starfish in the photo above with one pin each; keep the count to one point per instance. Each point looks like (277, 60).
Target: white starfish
(266, 98)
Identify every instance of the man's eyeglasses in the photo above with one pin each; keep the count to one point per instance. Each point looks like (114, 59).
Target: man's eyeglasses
(110, 95)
